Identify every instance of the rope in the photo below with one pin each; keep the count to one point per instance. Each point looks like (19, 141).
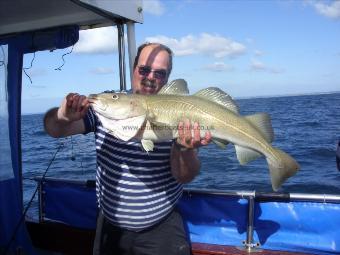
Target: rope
(26, 68)
(30, 202)
(59, 68)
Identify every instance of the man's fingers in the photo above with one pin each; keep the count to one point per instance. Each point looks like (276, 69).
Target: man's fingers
(190, 135)
(84, 110)
(69, 99)
(207, 138)
(81, 104)
(180, 129)
(197, 132)
(197, 135)
(187, 132)
(75, 100)
(78, 102)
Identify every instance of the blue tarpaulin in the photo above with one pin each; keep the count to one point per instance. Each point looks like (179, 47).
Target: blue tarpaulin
(83, 215)
(13, 237)
(310, 227)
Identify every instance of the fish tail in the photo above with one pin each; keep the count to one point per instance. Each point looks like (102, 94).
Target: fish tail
(283, 167)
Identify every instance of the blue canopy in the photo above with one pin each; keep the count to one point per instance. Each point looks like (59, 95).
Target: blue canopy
(13, 234)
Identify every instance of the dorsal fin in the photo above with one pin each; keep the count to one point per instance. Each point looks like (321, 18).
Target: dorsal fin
(218, 96)
(175, 87)
(263, 124)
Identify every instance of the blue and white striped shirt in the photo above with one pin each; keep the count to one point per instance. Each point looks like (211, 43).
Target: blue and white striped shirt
(135, 189)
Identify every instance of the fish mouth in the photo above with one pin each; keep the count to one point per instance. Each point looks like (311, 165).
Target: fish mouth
(92, 98)
(94, 101)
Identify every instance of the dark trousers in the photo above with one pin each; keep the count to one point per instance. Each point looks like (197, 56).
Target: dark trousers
(166, 238)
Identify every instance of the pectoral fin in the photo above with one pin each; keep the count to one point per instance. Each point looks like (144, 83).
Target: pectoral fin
(147, 145)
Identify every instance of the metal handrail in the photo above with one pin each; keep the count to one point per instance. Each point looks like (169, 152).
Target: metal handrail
(258, 196)
(271, 197)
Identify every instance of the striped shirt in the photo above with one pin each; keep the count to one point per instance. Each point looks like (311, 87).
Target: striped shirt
(135, 189)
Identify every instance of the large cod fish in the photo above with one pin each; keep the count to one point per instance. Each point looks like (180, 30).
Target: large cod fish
(155, 118)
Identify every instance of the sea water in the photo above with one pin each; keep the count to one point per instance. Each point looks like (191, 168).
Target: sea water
(307, 127)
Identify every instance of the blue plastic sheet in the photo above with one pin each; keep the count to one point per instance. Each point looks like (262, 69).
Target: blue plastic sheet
(295, 226)
(308, 227)
(215, 219)
(13, 234)
(70, 203)
(6, 169)
(300, 226)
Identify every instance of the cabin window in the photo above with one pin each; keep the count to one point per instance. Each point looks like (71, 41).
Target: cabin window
(6, 170)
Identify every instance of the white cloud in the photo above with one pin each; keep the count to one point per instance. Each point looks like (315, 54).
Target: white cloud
(256, 65)
(102, 70)
(330, 10)
(215, 45)
(219, 67)
(153, 7)
(99, 40)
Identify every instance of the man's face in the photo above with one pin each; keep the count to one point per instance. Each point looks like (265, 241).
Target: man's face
(151, 72)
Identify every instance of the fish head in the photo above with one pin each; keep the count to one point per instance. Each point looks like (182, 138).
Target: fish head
(117, 106)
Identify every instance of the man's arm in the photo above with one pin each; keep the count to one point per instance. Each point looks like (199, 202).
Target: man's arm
(185, 164)
(68, 118)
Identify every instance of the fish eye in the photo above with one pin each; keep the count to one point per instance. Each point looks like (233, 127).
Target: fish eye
(115, 96)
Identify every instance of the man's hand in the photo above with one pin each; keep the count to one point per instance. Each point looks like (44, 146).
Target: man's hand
(73, 108)
(68, 118)
(190, 136)
(185, 164)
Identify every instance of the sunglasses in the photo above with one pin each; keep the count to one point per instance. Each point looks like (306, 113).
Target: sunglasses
(159, 74)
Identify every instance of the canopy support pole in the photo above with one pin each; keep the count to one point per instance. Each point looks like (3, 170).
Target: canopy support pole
(131, 46)
(121, 52)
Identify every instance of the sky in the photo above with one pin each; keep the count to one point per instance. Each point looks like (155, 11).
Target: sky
(246, 48)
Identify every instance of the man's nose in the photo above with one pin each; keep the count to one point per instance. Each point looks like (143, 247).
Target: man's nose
(151, 75)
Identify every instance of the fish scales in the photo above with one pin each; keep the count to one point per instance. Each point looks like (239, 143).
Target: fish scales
(169, 108)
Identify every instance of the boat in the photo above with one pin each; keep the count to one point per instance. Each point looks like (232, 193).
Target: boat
(217, 222)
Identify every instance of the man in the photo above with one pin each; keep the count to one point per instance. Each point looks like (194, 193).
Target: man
(136, 191)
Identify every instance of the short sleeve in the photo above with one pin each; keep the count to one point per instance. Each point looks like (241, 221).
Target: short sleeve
(90, 121)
